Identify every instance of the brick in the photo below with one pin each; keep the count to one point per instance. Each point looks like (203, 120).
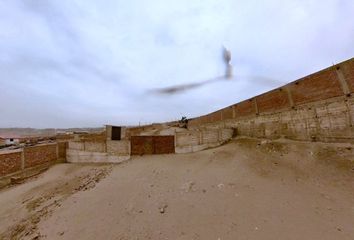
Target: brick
(38, 155)
(245, 108)
(227, 113)
(273, 101)
(152, 145)
(164, 144)
(215, 116)
(10, 162)
(316, 87)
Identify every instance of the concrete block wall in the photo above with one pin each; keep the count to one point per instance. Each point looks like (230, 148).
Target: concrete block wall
(210, 136)
(119, 148)
(95, 146)
(77, 156)
(90, 146)
(189, 138)
(98, 151)
(200, 139)
(225, 134)
(316, 107)
(77, 145)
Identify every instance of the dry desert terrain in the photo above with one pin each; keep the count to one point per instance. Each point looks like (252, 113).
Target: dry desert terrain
(245, 189)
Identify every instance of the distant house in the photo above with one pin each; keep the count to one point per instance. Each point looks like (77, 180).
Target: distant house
(9, 141)
(2, 141)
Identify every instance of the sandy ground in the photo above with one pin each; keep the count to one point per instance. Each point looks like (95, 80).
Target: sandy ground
(247, 189)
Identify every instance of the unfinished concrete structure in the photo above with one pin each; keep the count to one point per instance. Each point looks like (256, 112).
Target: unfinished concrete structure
(120, 143)
(247, 189)
(318, 107)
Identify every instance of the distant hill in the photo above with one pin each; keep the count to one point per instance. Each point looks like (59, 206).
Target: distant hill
(34, 132)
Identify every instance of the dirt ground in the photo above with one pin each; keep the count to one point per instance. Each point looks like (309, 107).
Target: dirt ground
(246, 189)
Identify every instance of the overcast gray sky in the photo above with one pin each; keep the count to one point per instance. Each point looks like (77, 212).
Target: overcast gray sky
(73, 63)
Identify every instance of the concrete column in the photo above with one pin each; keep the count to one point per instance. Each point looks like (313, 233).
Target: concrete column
(23, 159)
(290, 97)
(108, 132)
(233, 112)
(256, 106)
(57, 150)
(342, 81)
(175, 135)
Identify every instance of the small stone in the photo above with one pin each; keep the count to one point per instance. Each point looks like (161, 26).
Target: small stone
(163, 209)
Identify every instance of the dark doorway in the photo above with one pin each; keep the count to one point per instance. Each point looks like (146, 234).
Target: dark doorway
(116, 133)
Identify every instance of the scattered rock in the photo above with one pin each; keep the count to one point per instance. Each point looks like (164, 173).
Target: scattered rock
(163, 209)
(188, 186)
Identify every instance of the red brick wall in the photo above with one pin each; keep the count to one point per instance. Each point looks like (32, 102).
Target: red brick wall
(215, 116)
(227, 113)
(318, 86)
(272, 101)
(164, 144)
(39, 155)
(205, 119)
(10, 163)
(152, 145)
(245, 108)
